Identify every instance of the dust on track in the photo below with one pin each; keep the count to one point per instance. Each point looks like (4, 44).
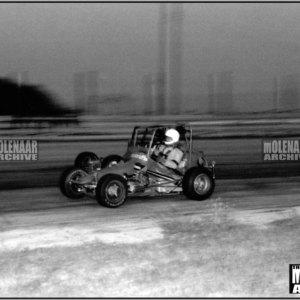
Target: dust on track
(43, 217)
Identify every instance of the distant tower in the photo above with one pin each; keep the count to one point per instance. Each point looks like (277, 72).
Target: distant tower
(211, 93)
(149, 94)
(80, 91)
(276, 93)
(174, 94)
(220, 92)
(92, 84)
(162, 55)
(169, 79)
(289, 92)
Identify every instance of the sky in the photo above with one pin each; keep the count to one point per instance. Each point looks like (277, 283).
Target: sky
(50, 42)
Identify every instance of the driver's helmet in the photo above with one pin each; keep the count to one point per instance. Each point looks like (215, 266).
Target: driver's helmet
(171, 137)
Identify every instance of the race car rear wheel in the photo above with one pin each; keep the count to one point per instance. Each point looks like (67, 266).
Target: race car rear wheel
(82, 160)
(111, 191)
(198, 183)
(69, 189)
(111, 160)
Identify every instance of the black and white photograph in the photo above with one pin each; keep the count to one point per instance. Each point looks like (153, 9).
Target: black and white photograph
(149, 149)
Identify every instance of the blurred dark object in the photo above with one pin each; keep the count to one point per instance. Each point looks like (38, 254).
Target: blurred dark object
(27, 101)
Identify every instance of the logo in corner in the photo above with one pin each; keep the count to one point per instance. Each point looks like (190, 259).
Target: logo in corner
(294, 279)
(18, 150)
(282, 150)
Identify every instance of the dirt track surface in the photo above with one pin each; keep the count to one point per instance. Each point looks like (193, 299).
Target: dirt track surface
(43, 217)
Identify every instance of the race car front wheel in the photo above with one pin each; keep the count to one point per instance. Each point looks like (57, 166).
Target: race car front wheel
(69, 189)
(198, 183)
(111, 191)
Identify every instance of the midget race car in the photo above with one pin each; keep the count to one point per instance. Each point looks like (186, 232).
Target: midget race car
(111, 180)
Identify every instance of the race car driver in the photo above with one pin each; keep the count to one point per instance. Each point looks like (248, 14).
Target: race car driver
(168, 154)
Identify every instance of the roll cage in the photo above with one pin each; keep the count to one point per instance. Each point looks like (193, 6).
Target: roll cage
(144, 138)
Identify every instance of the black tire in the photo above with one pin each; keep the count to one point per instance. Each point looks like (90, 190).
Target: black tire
(71, 190)
(106, 188)
(198, 183)
(111, 160)
(83, 159)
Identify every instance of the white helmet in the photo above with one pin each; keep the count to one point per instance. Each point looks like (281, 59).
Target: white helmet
(172, 136)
